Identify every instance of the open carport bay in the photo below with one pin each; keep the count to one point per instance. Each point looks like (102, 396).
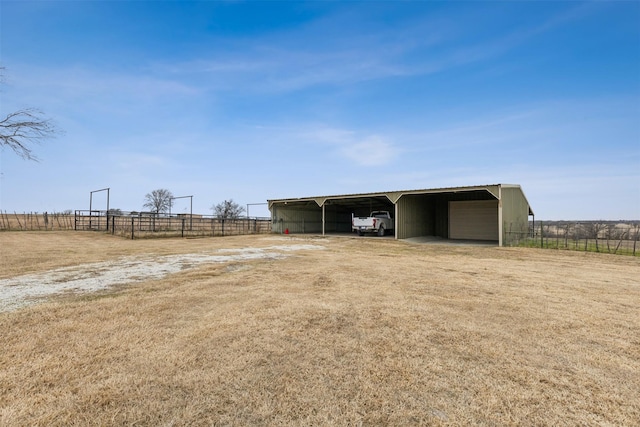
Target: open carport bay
(306, 216)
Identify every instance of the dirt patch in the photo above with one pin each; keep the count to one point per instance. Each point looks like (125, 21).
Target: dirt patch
(19, 291)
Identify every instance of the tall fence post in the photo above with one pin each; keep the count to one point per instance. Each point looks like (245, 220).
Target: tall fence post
(182, 227)
(132, 227)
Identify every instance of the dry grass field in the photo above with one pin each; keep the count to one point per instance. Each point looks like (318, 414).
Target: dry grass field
(339, 331)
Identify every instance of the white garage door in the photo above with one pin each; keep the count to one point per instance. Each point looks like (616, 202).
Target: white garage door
(473, 220)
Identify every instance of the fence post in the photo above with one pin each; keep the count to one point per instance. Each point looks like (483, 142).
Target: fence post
(113, 225)
(182, 227)
(541, 235)
(132, 227)
(18, 219)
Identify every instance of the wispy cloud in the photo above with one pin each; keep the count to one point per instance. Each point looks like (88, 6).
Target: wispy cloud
(279, 62)
(352, 146)
(544, 127)
(370, 151)
(77, 87)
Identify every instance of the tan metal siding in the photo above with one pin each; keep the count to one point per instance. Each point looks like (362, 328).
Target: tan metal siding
(515, 214)
(308, 220)
(415, 217)
(473, 220)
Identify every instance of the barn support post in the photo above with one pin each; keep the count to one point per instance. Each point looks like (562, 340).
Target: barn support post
(500, 225)
(395, 218)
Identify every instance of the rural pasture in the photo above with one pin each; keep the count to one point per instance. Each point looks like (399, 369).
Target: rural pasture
(311, 330)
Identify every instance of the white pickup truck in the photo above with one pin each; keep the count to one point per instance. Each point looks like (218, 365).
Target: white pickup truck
(378, 222)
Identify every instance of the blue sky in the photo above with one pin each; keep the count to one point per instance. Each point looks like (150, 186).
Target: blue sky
(265, 100)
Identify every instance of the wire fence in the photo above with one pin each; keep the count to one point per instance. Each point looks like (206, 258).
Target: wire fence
(621, 238)
(34, 221)
(151, 225)
(134, 225)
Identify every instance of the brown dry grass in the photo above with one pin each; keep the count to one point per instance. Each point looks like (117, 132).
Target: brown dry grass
(368, 332)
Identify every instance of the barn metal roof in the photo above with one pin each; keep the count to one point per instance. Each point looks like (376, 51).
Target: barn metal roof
(393, 196)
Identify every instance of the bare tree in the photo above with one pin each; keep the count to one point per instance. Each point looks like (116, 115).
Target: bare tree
(592, 231)
(158, 201)
(21, 129)
(619, 234)
(566, 229)
(608, 234)
(227, 210)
